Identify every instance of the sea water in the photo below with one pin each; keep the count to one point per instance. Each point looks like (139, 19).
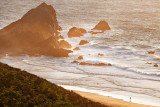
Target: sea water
(135, 30)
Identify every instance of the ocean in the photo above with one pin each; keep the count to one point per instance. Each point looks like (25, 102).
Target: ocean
(135, 30)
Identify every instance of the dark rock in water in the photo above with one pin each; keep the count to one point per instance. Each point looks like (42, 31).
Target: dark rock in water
(102, 25)
(37, 27)
(76, 32)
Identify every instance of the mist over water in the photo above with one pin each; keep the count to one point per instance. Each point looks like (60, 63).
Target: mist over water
(135, 30)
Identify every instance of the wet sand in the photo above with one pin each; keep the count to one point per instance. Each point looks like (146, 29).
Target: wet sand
(109, 101)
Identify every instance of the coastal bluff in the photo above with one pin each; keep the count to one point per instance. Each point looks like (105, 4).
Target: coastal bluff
(36, 33)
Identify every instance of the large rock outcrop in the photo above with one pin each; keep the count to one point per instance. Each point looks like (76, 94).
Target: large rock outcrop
(35, 33)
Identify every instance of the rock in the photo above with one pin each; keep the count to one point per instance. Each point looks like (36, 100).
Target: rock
(94, 33)
(109, 64)
(100, 54)
(60, 28)
(35, 32)
(75, 62)
(76, 32)
(90, 64)
(102, 26)
(61, 37)
(151, 52)
(82, 30)
(156, 65)
(49, 51)
(77, 48)
(148, 63)
(80, 57)
(49, 47)
(64, 44)
(83, 42)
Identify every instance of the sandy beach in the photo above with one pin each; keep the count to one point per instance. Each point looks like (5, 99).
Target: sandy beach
(109, 101)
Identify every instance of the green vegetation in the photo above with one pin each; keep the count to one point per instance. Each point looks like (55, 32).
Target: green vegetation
(21, 89)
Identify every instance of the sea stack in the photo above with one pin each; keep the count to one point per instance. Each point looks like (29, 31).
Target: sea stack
(102, 26)
(35, 33)
(76, 32)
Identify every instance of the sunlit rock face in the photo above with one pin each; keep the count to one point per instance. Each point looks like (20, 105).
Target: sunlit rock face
(76, 32)
(102, 26)
(35, 33)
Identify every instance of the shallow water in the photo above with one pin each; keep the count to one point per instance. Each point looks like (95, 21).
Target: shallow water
(135, 30)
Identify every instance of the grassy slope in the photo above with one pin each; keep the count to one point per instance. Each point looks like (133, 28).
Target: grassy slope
(19, 88)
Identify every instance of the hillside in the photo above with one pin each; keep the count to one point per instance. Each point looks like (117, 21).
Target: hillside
(19, 88)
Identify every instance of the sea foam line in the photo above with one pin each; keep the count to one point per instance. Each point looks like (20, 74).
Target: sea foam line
(136, 98)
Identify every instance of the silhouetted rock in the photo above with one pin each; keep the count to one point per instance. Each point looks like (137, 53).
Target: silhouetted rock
(102, 26)
(76, 32)
(83, 42)
(77, 48)
(37, 27)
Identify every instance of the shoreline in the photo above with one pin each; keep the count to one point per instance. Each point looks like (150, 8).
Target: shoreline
(109, 101)
(112, 99)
